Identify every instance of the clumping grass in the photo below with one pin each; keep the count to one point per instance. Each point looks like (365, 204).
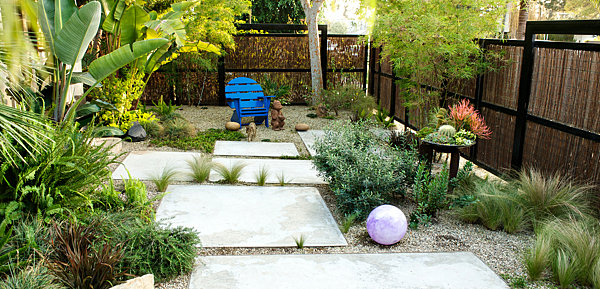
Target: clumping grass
(282, 180)
(564, 269)
(164, 178)
(553, 196)
(300, 241)
(178, 128)
(230, 175)
(348, 222)
(596, 274)
(261, 175)
(200, 166)
(537, 258)
(203, 141)
(33, 277)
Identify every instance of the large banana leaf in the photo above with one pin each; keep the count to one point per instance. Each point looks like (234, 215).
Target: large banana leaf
(77, 34)
(160, 55)
(132, 22)
(63, 11)
(114, 16)
(173, 27)
(107, 64)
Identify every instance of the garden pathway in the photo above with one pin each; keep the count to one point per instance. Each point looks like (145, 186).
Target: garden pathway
(331, 271)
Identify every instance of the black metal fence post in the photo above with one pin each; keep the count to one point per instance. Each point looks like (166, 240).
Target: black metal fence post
(221, 80)
(371, 70)
(365, 64)
(393, 95)
(478, 96)
(526, 78)
(324, 60)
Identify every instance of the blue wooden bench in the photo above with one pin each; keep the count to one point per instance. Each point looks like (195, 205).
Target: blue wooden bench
(247, 98)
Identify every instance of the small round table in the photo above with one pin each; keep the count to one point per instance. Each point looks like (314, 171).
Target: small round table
(427, 148)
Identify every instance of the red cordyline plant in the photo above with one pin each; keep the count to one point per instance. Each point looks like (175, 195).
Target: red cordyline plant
(466, 117)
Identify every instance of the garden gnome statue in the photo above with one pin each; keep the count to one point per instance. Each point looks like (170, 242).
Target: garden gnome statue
(277, 118)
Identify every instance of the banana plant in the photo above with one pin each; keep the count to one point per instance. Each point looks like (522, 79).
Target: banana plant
(68, 31)
(130, 23)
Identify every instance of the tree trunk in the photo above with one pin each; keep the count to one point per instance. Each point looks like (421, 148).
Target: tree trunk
(316, 74)
(523, 14)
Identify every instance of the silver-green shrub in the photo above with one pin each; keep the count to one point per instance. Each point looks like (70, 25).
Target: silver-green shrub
(362, 170)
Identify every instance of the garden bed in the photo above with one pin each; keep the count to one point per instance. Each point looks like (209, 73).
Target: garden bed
(500, 251)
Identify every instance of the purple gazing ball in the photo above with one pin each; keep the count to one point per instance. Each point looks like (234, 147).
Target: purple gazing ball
(386, 225)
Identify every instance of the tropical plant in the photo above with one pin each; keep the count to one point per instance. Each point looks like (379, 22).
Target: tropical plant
(230, 175)
(201, 167)
(69, 31)
(163, 179)
(165, 111)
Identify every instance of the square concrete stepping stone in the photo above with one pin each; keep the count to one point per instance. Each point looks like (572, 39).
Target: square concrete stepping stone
(294, 171)
(332, 271)
(244, 216)
(254, 149)
(143, 165)
(309, 138)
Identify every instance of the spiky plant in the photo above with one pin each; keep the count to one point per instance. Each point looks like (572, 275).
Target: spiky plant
(563, 268)
(300, 241)
(230, 175)
(349, 220)
(163, 179)
(200, 166)
(282, 180)
(537, 258)
(261, 175)
(552, 196)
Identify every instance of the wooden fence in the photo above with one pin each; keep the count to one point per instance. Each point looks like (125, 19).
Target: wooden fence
(543, 105)
(281, 57)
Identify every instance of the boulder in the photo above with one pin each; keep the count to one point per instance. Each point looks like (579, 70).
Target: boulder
(144, 282)
(302, 127)
(231, 125)
(136, 132)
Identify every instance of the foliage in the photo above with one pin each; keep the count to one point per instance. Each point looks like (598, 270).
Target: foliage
(34, 277)
(9, 258)
(153, 129)
(201, 166)
(124, 121)
(137, 198)
(467, 123)
(272, 88)
(362, 171)
(553, 196)
(347, 97)
(281, 11)
(282, 179)
(165, 111)
(538, 257)
(78, 263)
(429, 193)
(22, 134)
(163, 179)
(63, 176)
(232, 174)
(150, 247)
(383, 117)
(349, 220)
(464, 117)
(431, 42)
(69, 31)
(178, 129)
(261, 175)
(30, 237)
(204, 140)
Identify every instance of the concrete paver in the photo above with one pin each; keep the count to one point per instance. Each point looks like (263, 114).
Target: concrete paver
(251, 216)
(331, 271)
(254, 149)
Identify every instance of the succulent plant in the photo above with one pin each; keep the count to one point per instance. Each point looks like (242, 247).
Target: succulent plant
(447, 130)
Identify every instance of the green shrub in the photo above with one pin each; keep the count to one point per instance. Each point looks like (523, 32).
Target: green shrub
(34, 277)
(429, 193)
(166, 112)
(137, 198)
(362, 171)
(153, 129)
(62, 173)
(204, 140)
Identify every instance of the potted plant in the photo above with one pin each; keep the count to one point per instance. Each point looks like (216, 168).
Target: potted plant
(459, 125)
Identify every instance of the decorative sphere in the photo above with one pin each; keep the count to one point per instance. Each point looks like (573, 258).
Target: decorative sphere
(386, 225)
(231, 125)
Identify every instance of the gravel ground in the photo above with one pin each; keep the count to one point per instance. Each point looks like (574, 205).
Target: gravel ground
(500, 251)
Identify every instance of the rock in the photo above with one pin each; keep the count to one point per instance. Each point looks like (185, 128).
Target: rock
(136, 132)
(302, 127)
(113, 142)
(231, 125)
(144, 282)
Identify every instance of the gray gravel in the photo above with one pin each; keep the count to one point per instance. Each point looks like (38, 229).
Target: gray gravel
(500, 251)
